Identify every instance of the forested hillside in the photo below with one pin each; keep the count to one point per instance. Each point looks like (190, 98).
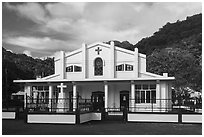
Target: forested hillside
(170, 34)
(177, 49)
(21, 66)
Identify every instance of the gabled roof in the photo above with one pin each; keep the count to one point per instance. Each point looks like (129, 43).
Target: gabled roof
(105, 45)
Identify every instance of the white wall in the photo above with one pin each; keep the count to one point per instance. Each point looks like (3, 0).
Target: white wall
(92, 55)
(8, 115)
(89, 116)
(164, 94)
(57, 66)
(191, 118)
(74, 59)
(140, 117)
(48, 118)
(122, 56)
(142, 63)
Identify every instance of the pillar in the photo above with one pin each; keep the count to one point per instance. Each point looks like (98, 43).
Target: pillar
(50, 96)
(112, 60)
(132, 96)
(27, 90)
(74, 97)
(136, 65)
(158, 94)
(106, 95)
(62, 65)
(84, 64)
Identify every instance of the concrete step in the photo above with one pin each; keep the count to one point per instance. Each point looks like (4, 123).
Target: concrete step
(114, 116)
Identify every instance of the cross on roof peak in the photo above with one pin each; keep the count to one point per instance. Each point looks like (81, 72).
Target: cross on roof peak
(98, 50)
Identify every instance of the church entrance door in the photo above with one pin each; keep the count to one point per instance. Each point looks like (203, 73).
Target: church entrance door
(124, 100)
(97, 99)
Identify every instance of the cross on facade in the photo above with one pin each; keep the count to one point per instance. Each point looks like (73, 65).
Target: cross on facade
(98, 50)
(61, 86)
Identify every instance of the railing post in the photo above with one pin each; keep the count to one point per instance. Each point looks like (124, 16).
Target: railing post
(17, 112)
(85, 104)
(51, 105)
(26, 101)
(152, 104)
(103, 114)
(125, 114)
(180, 111)
(77, 114)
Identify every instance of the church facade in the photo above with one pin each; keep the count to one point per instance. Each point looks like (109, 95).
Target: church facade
(103, 76)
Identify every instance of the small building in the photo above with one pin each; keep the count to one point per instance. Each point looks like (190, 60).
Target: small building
(99, 77)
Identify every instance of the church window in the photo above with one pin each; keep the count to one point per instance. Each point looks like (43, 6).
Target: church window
(145, 93)
(69, 69)
(77, 68)
(128, 67)
(120, 67)
(98, 67)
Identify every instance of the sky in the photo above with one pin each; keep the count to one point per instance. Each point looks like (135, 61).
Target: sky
(41, 29)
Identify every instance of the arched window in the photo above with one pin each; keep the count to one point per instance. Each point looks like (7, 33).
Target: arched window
(98, 67)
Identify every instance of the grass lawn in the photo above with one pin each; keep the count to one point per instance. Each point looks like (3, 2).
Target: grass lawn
(18, 127)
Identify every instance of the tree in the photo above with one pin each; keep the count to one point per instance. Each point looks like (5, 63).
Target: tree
(178, 63)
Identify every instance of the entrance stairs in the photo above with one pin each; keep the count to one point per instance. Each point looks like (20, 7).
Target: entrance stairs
(114, 116)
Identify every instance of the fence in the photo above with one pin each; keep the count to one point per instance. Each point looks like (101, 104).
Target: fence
(58, 105)
(165, 105)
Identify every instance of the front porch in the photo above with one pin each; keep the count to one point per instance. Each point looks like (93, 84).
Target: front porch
(117, 95)
(107, 98)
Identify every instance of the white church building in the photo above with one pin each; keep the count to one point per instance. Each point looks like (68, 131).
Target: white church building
(99, 77)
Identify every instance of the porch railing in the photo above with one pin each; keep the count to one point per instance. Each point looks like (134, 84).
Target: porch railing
(165, 105)
(140, 105)
(59, 105)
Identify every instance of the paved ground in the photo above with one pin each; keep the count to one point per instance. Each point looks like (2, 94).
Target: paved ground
(18, 127)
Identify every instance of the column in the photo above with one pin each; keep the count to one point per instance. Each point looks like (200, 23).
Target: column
(132, 96)
(74, 97)
(158, 94)
(27, 90)
(136, 65)
(112, 60)
(50, 96)
(106, 95)
(84, 64)
(62, 66)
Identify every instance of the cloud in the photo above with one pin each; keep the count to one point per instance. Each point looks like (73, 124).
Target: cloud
(66, 25)
(32, 11)
(28, 53)
(40, 44)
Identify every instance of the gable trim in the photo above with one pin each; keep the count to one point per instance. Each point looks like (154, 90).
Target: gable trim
(98, 43)
(124, 50)
(73, 53)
